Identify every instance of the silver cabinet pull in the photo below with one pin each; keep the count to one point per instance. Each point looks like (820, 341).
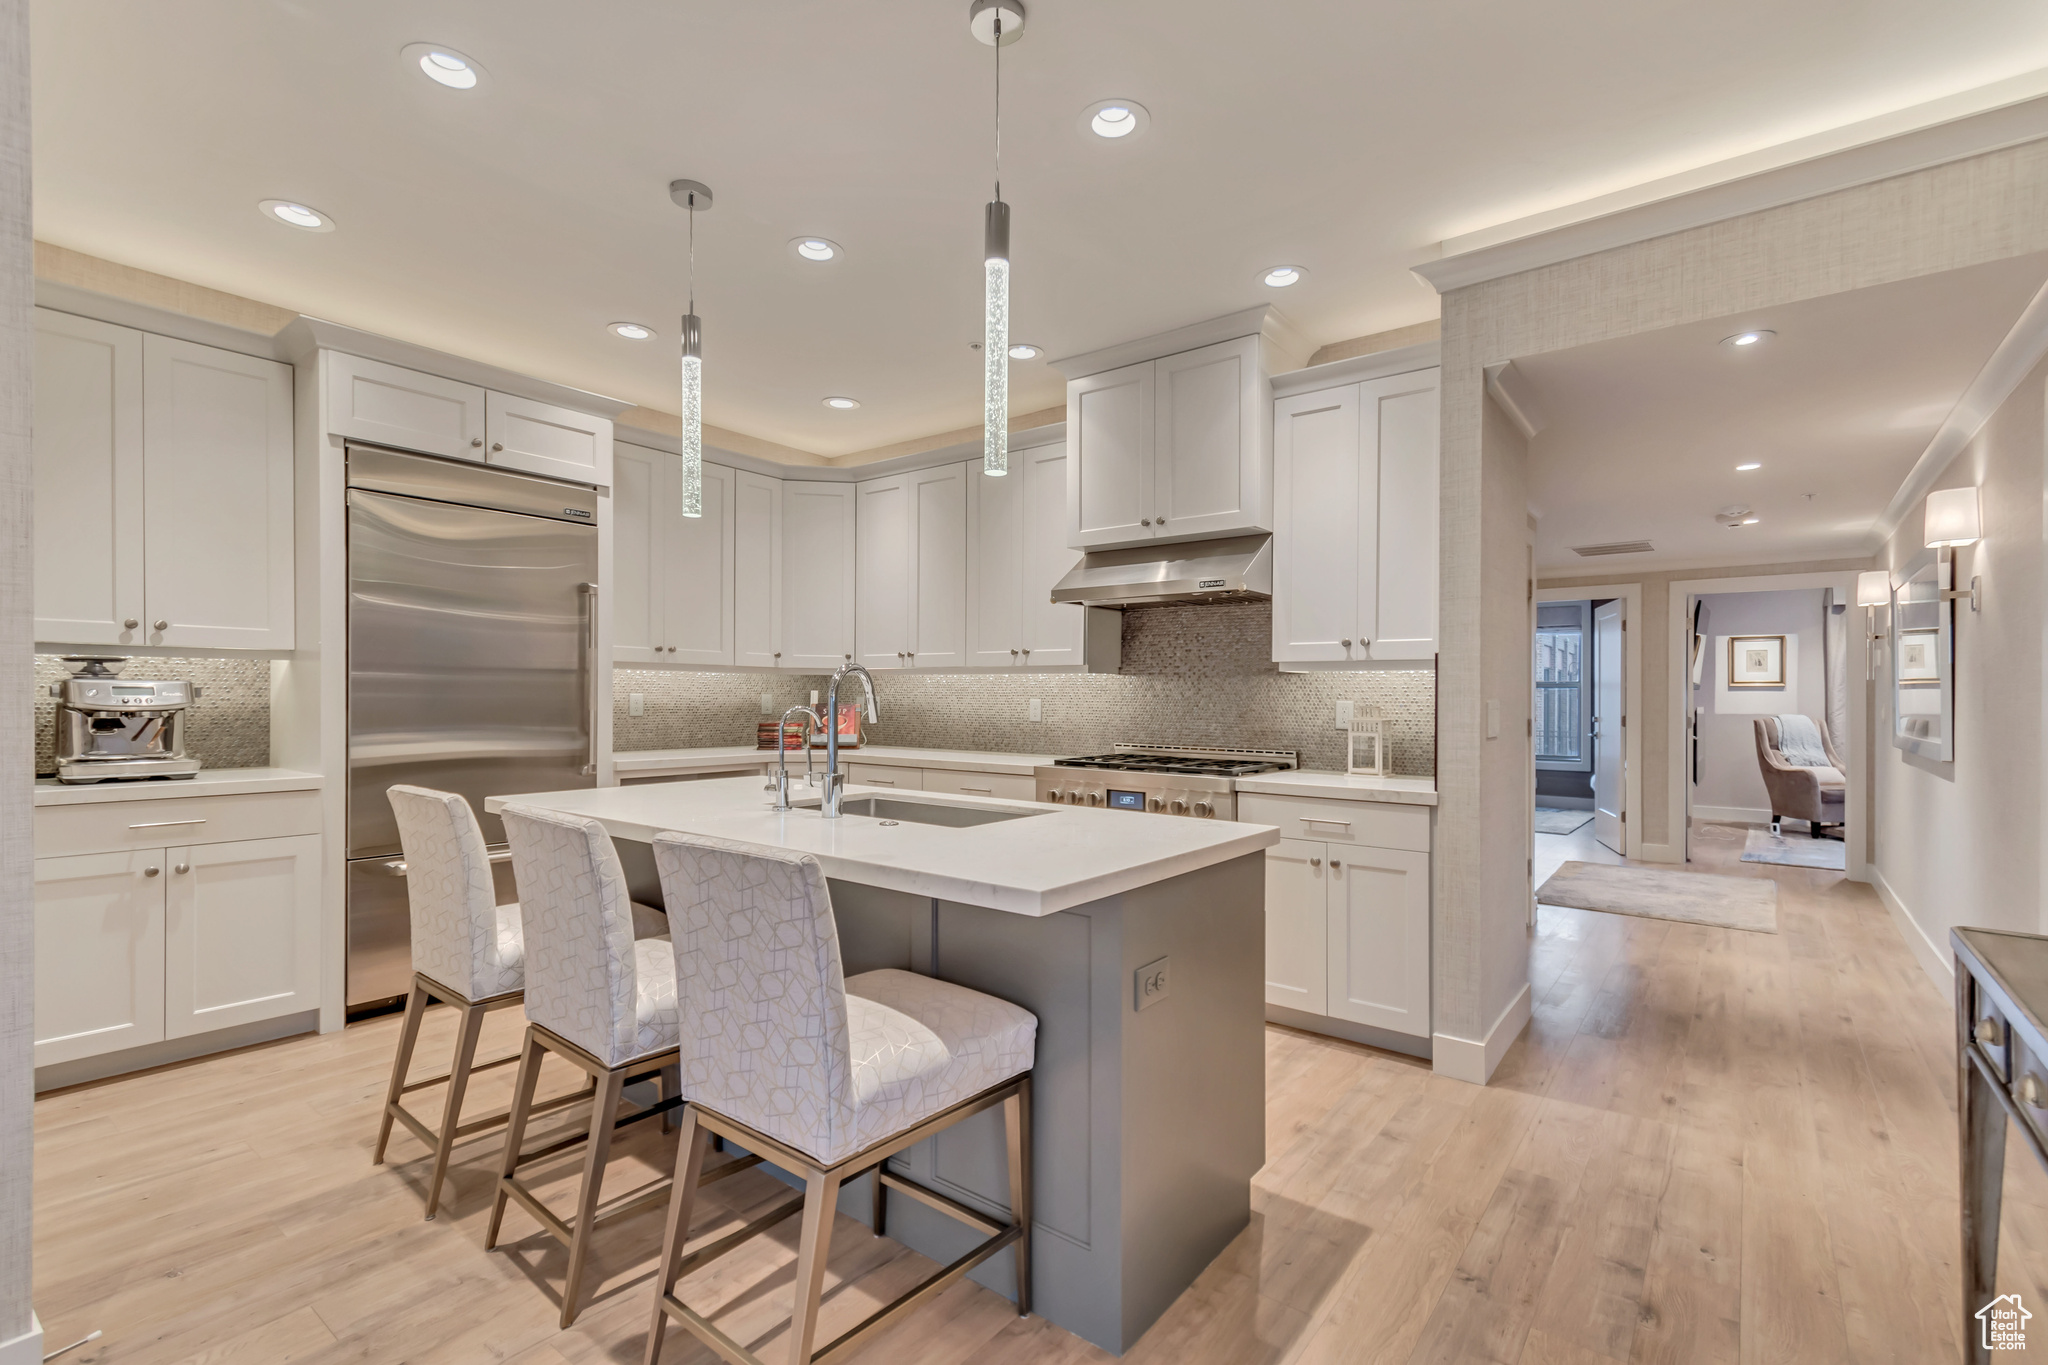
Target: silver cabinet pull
(1321, 820)
(1315, 862)
(475, 442)
(182, 868)
(1013, 653)
(1160, 520)
(151, 871)
(1336, 866)
(1146, 521)
(130, 624)
(1027, 653)
(165, 824)
(497, 445)
(979, 791)
(1345, 643)
(163, 625)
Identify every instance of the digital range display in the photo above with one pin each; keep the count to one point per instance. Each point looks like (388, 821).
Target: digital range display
(1126, 800)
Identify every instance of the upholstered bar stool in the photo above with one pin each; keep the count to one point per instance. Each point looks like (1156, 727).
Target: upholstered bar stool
(828, 1077)
(596, 998)
(467, 950)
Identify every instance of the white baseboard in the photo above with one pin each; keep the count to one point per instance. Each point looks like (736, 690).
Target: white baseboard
(26, 1349)
(1468, 1059)
(1731, 815)
(1933, 959)
(1564, 802)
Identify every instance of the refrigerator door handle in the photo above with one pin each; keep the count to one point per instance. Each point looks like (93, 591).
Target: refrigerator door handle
(587, 646)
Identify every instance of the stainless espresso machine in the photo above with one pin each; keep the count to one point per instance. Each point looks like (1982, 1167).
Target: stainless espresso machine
(111, 729)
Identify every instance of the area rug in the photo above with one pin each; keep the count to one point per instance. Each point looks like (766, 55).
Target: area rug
(1550, 820)
(1749, 903)
(1795, 850)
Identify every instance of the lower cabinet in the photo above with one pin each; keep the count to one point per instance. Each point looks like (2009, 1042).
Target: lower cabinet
(1009, 786)
(145, 945)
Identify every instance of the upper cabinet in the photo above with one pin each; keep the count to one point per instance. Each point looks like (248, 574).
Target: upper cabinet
(912, 536)
(163, 491)
(1355, 536)
(818, 569)
(756, 570)
(1017, 552)
(672, 575)
(369, 400)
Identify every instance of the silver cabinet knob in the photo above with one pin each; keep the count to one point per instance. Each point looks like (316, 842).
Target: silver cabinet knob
(778, 653)
(1315, 862)
(130, 624)
(1987, 1032)
(1160, 520)
(497, 445)
(182, 868)
(671, 649)
(1336, 865)
(1027, 653)
(163, 625)
(849, 658)
(476, 441)
(1146, 521)
(1013, 653)
(2032, 1092)
(151, 871)
(1346, 644)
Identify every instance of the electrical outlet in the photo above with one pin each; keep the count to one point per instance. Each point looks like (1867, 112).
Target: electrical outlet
(1037, 711)
(636, 703)
(814, 696)
(1151, 982)
(1344, 715)
(767, 703)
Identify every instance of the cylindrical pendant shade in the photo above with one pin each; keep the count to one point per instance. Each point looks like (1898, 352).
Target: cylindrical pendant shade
(995, 342)
(693, 417)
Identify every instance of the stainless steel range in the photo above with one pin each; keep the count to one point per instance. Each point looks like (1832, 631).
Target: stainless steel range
(1148, 777)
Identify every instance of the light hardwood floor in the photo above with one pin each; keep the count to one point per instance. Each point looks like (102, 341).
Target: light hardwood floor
(1711, 1146)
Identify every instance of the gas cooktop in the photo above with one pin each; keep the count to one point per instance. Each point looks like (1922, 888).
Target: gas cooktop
(1184, 762)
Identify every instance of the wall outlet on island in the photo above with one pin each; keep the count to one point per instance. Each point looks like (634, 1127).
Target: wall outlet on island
(1344, 716)
(636, 703)
(767, 703)
(1037, 711)
(1151, 983)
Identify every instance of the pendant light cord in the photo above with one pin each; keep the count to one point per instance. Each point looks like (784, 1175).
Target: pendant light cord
(999, 104)
(693, 251)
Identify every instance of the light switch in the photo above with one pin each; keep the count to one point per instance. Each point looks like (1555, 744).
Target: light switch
(1493, 720)
(1344, 715)
(636, 703)
(767, 703)
(1037, 711)
(1151, 983)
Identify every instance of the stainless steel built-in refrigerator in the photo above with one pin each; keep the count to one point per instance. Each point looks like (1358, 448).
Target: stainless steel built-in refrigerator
(472, 623)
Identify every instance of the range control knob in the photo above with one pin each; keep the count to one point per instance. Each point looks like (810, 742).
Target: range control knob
(1204, 809)
(1154, 803)
(1094, 798)
(1177, 807)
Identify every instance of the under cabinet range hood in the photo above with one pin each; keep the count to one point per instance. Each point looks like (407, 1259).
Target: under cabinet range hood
(1230, 569)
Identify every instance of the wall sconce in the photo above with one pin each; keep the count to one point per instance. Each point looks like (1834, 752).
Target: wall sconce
(1954, 518)
(1873, 590)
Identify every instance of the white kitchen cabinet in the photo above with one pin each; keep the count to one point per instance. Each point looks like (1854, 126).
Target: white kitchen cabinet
(1355, 473)
(757, 567)
(369, 400)
(546, 439)
(1171, 449)
(912, 532)
(1297, 925)
(818, 575)
(672, 575)
(1055, 634)
(885, 775)
(635, 586)
(88, 481)
(217, 497)
(1007, 786)
(241, 932)
(99, 943)
(1379, 937)
(1017, 554)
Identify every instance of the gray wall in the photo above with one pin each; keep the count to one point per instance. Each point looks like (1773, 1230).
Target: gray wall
(1729, 779)
(17, 922)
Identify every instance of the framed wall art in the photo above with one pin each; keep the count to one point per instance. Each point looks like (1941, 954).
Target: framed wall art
(1756, 661)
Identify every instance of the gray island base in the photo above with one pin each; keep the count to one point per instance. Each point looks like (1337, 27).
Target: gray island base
(1149, 1088)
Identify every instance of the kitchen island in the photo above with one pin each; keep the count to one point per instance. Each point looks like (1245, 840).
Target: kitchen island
(1137, 940)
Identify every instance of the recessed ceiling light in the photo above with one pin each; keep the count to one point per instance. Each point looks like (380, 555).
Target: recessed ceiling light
(298, 215)
(1745, 468)
(1751, 521)
(1280, 276)
(1115, 120)
(842, 403)
(1023, 350)
(816, 248)
(631, 331)
(444, 65)
(1742, 341)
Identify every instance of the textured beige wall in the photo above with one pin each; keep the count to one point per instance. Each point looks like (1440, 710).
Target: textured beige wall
(1413, 335)
(62, 265)
(1960, 843)
(1507, 781)
(17, 609)
(1984, 208)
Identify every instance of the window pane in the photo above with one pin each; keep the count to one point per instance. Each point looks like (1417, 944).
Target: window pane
(1559, 656)
(1557, 722)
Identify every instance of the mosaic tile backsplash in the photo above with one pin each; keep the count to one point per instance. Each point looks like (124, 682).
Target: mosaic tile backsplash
(228, 727)
(1191, 675)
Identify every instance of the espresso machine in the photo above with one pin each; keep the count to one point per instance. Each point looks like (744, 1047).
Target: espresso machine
(111, 729)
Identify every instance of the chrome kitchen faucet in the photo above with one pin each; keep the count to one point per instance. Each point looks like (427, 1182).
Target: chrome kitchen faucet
(780, 785)
(835, 781)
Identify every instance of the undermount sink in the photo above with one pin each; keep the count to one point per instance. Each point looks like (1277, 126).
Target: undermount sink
(924, 812)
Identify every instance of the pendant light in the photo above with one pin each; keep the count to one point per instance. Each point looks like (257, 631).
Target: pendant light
(997, 23)
(692, 195)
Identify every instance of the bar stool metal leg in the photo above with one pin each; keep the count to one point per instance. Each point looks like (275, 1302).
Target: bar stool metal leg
(1017, 1133)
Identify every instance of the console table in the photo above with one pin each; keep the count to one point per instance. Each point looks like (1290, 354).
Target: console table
(2002, 1070)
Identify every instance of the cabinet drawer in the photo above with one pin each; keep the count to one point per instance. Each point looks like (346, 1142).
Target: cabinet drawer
(1008, 786)
(884, 775)
(1377, 824)
(117, 826)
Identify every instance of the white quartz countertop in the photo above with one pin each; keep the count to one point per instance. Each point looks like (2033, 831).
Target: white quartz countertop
(637, 762)
(205, 782)
(1406, 791)
(1055, 858)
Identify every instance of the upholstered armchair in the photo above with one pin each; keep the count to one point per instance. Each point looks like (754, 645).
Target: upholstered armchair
(1815, 795)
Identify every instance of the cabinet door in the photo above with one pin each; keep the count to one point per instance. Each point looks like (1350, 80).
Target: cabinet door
(887, 530)
(372, 401)
(88, 481)
(818, 569)
(1212, 473)
(1297, 926)
(995, 563)
(698, 580)
(241, 932)
(541, 438)
(1318, 484)
(638, 498)
(99, 954)
(938, 569)
(1398, 581)
(217, 489)
(1054, 633)
(756, 569)
(1109, 483)
(1379, 938)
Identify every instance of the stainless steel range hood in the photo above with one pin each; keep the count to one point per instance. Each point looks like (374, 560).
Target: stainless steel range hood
(1232, 569)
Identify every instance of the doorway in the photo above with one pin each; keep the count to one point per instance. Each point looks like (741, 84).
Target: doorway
(1580, 680)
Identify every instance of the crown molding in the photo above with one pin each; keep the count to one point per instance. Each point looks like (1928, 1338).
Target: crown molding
(1372, 365)
(304, 335)
(143, 317)
(1290, 347)
(1032, 438)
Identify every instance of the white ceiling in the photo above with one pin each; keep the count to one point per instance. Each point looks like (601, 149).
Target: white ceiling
(1639, 437)
(511, 224)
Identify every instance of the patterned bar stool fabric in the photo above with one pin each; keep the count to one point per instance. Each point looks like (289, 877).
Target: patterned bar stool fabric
(826, 1076)
(596, 998)
(467, 950)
